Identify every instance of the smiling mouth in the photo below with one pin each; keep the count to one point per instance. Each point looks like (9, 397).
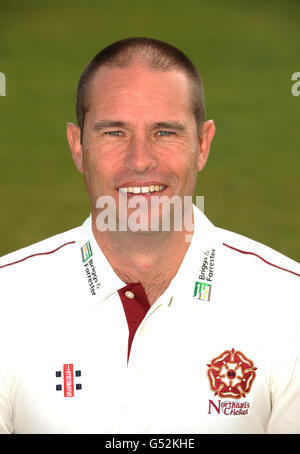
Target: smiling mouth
(145, 190)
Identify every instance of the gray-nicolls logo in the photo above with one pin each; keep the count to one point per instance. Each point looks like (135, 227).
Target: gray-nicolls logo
(2, 84)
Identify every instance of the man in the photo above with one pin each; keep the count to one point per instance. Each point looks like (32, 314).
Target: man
(112, 329)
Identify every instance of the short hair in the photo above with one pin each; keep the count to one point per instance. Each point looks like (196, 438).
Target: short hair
(158, 55)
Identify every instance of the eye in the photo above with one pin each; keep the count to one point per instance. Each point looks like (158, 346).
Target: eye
(113, 133)
(165, 133)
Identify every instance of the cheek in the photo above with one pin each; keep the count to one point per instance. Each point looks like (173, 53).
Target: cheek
(89, 166)
(94, 173)
(103, 156)
(186, 165)
(94, 160)
(188, 176)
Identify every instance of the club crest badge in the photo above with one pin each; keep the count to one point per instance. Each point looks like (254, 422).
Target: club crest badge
(231, 374)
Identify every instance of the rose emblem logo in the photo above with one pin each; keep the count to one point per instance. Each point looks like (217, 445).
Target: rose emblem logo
(231, 374)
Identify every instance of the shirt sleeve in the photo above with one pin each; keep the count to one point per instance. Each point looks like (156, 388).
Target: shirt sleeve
(6, 420)
(285, 416)
(6, 358)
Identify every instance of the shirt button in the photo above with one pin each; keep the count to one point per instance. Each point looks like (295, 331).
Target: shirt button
(129, 295)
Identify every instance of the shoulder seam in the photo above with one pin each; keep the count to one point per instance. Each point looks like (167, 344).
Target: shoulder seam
(261, 258)
(38, 253)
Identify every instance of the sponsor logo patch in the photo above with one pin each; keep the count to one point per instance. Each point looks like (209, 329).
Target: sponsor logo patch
(205, 274)
(90, 268)
(86, 251)
(202, 291)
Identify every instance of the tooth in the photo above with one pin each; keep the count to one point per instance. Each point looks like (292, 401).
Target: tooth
(143, 189)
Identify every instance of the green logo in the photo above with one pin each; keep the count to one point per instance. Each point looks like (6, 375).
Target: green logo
(202, 291)
(86, 251)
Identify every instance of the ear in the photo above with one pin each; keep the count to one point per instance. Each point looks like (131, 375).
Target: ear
(208, 130)
(73, 135)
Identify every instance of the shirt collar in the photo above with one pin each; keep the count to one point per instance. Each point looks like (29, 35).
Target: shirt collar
(102, 280)
(198, 265)
(196, 276)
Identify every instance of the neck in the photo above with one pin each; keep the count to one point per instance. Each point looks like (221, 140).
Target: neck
(151, 258)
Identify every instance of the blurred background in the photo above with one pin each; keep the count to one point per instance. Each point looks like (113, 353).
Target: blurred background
(246, 53)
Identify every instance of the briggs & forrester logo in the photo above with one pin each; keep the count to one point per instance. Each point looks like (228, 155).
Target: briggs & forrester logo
(202, 291)
(86, 251)
(205, 275)
(90, 268)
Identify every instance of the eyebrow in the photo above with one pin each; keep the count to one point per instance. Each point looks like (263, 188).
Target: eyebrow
(175, 125)
(170, 125)
(109, 124)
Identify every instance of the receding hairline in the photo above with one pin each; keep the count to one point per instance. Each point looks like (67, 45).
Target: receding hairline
(153, 54)
(137, 61)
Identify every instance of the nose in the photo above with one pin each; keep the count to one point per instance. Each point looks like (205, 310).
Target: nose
(141, 156)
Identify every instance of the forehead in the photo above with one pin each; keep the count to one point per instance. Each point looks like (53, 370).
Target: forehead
(139, 90)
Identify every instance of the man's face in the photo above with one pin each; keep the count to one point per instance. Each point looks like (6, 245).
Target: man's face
(140, 136)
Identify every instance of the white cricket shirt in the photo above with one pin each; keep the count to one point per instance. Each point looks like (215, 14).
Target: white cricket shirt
(83, 352)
